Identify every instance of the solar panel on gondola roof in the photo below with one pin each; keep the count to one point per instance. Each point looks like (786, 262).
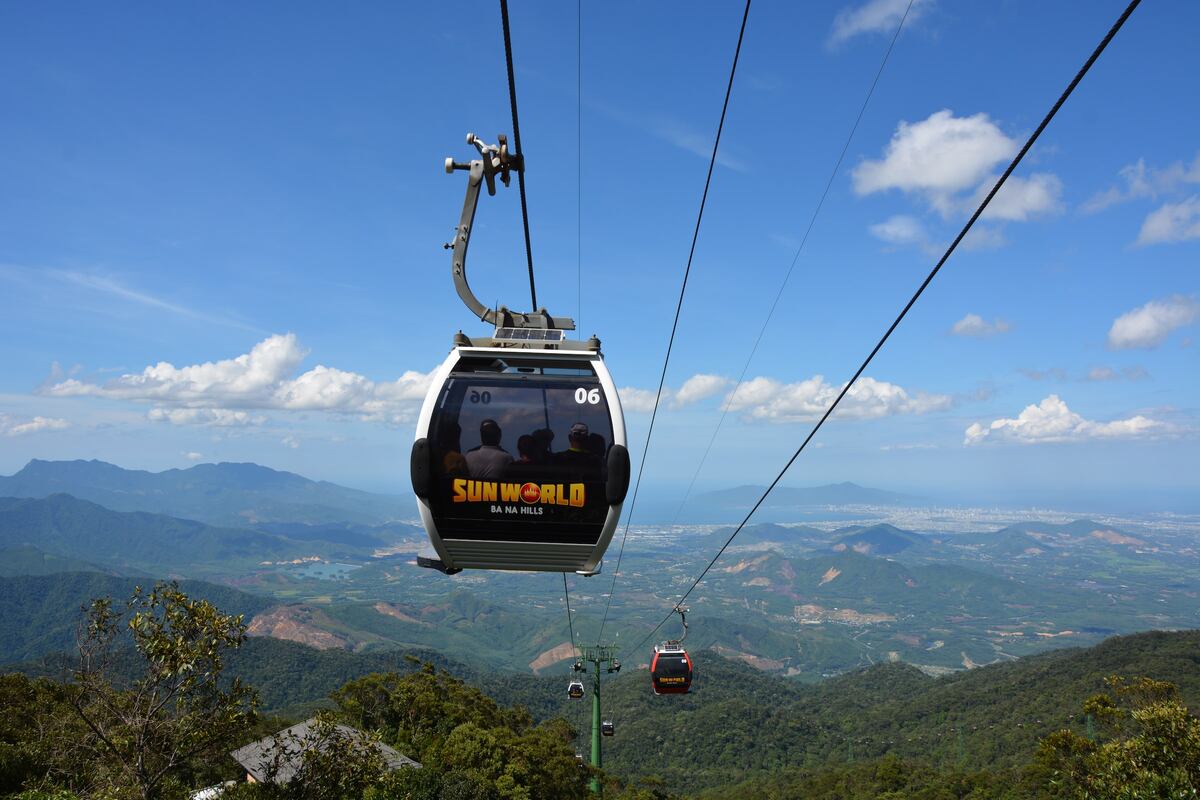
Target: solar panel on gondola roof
(529, 334)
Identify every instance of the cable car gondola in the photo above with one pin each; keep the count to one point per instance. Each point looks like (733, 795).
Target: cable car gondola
(671, 669)
(607, 728)
(520, 458)
(575, 690)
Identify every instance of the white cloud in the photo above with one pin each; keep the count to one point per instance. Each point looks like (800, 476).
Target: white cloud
(1103, 373)
(1142, 181)
(1173, 222)
(1052, 421)
(901, 229)
(937, 159)
(1135, 373)
(875, 16)
(697, 388)
(260, 379)
(1019, 199)
(983, 237)
(10, 426)
(949, 163)
(773, 401)
(977, 327)
(193, 456)
(249, 379)
(212, 417)
(1149, 325)
(1054, 373)
(636, 400)
(694, 389)
(290, 441)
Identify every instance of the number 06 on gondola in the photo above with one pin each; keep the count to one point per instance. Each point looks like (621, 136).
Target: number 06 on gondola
(520, 458)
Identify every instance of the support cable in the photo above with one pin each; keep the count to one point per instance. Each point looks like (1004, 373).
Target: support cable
(678, 308)
(579, 165)
(570, 620)
(1100, 48)
(788, 275)
(512, 99)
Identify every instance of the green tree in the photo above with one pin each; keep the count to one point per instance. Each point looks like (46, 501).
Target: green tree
(464, 736)
(142, 736)
(28, 730)
(1149, 748)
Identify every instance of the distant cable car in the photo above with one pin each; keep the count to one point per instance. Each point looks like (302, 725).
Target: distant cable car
(671, 669)
(575, 690)
(520, 458)
(607, 728)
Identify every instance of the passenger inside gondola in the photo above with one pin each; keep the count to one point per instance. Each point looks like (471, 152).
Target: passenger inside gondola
(579, 457)
(454, 464)
(544, 439)
(488, 461)
(530, 461)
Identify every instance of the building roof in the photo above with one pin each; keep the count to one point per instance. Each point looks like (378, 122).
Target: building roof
(279, 757)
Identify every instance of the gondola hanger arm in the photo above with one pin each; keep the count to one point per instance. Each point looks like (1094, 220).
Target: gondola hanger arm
(682, 612)
(494, 161)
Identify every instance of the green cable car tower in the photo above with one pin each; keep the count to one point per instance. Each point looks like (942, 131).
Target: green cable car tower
(603, 658)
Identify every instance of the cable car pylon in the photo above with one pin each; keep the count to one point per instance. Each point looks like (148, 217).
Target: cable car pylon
(603, 658)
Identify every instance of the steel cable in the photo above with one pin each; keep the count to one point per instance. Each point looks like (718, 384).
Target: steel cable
(678, 308)
(512, 99)
(1100, 48)
(788, 275)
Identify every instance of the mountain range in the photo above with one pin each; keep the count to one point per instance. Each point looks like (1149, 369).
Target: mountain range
(225, 494)
(792, 599)
(82, 534)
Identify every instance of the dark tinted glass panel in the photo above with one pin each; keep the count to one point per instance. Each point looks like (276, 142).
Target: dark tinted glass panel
(671, 666)
(520, 457)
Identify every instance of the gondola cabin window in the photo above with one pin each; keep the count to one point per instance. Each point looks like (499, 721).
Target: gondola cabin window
(521, 447)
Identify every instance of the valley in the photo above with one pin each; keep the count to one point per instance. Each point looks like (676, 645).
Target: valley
(939, 588)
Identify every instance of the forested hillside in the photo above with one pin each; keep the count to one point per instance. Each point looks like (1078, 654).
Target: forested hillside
(39, 614)
(739, 732)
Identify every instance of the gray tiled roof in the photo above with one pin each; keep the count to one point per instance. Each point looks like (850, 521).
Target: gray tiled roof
(286, 750)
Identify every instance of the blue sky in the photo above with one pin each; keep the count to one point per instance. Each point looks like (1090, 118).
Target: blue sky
(221, 229)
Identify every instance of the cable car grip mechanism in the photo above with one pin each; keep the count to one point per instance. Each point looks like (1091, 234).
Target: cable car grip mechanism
(682, 612)
(495, 161)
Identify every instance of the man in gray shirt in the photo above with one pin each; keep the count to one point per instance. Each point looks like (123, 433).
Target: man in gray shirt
(487, 462)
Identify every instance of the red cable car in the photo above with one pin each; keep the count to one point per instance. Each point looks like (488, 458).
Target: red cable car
(671, 670)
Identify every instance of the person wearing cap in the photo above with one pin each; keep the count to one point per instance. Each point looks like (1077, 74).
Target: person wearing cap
(488, 461)
(579, 452)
